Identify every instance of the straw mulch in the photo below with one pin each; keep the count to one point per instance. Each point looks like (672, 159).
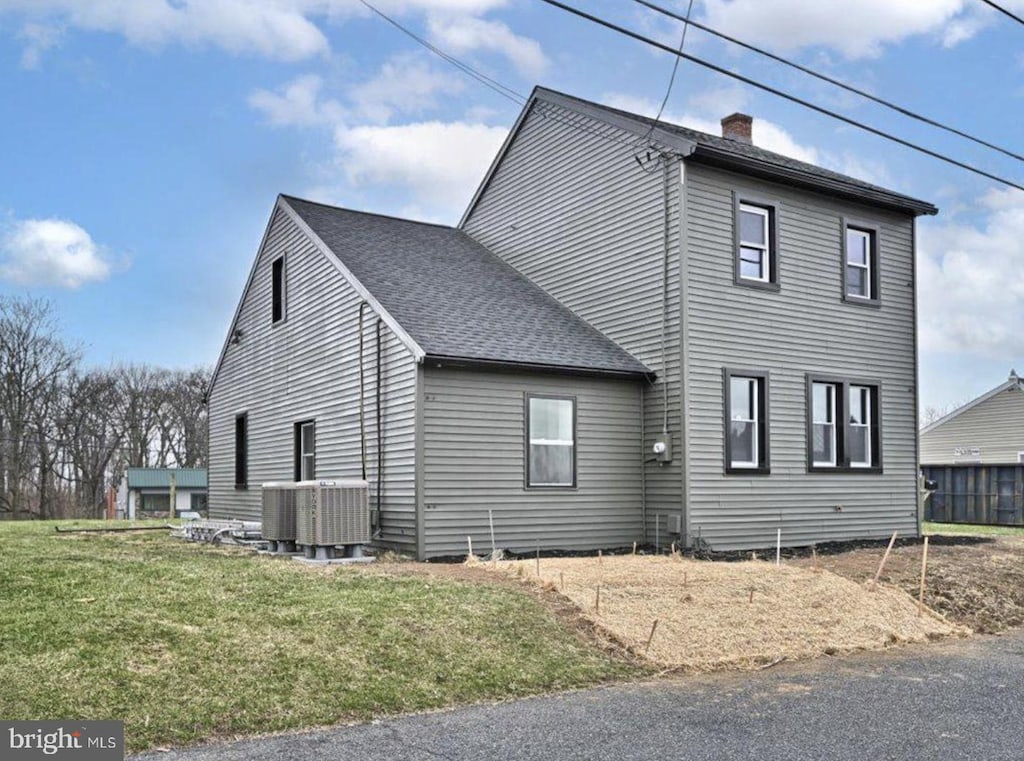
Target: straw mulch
(707, 619)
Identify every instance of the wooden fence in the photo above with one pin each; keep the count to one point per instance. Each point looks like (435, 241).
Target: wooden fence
(992, 494)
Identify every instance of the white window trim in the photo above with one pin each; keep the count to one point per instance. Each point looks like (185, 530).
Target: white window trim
(303, 454)
(1020, 456)
(754, 385)
(831, 397)
(870, 254)
(764, 248)
(866, 395)
(570, 443)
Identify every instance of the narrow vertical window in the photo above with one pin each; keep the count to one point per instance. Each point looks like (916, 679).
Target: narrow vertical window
(756, 242)
(823, 403)
(278, 290)
(860, 264)
(858, 436)
(305, 451)
(755, 259)
(551, 437)
(746, 421)
(242, 451)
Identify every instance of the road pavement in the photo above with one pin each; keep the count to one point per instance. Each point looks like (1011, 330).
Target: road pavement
(954, 700)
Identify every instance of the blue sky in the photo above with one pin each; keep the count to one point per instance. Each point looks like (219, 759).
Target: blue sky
(146, 140)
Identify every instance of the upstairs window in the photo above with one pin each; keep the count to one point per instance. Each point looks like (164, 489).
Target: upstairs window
(277, 290)
(551, 437)
(844, 426)
(860, 265)
(305, 451)
(756, 247)
(746, 421)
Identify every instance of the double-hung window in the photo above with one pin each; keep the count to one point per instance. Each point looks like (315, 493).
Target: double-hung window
(551, 441)
(844, 425)
(305, 450)
(860, 264)
(746, 421)
(756, 262)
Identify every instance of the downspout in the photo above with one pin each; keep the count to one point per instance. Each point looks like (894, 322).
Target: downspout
(665, 160)
(380, 435)
(362, 393)
(643, 465)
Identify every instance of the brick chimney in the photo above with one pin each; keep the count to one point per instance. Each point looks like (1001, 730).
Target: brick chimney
(738, 127)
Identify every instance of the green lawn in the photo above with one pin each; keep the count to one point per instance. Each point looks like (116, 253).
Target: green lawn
(186, 642)
(965, 528)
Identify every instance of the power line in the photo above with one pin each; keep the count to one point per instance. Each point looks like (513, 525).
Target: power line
(1001, 9)
(782, 94)
(503, 90)
(830, 80)
(675, 68)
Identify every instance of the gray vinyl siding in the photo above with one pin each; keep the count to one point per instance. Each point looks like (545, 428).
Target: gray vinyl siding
(572, 210)
(803, 328)
(306, 367)
(475, 458)
(995, 427)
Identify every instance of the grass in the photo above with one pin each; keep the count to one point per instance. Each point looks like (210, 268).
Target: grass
(966, 528)
(186, 642)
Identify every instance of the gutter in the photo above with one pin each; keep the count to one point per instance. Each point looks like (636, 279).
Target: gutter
(474, 363)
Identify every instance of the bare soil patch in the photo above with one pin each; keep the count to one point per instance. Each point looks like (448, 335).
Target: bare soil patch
(714, 615)
(976, 582)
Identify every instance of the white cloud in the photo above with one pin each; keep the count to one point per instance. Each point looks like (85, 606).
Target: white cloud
(52, 252)
(440, 163)
(406, 84)
(855, 32)
(971, 281)
(296, 104)
(38, 38)
(459, 35)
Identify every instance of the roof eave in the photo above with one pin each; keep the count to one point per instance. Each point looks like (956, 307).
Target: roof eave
(717, 157)
(478, 363)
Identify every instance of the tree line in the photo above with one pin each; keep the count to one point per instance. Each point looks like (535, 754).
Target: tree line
(68, 431)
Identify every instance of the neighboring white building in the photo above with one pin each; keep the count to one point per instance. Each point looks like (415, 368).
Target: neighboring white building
(988, 430)
(146, 492)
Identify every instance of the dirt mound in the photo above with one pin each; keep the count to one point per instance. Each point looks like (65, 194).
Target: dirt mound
(731, 615)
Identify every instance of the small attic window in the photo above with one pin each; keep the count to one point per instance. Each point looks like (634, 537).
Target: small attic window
(278, 290)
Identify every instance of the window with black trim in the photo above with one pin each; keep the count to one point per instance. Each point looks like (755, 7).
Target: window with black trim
(278, 294)
(305, 450)
(860, 264)
(756, 243)
(844, 425)
(242, 451)
(746, 421)
(551, 441)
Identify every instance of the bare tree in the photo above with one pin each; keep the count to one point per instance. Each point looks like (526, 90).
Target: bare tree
(33, 362)
(92, 435)
(183, 422)
(141, 397)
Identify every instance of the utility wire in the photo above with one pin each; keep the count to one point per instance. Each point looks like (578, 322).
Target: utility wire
(782, 94)
(675, 69)
(1001, 9)
(830, 80)
(503, 90)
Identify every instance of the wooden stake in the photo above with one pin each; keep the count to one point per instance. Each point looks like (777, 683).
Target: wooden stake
(814, 558)
(778, 547)
(751, 595)
(924, 567)
(673, 549)
(538, 561)
(634, 548)
(597, 600)
(600, 560)
(878, 573)
(494, 551)
(561, 581)
(650, 636)
(469, 543)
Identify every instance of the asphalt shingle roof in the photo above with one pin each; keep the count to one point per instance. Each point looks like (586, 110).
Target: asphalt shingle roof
(456, 298)
(160, 478)
(717, 149)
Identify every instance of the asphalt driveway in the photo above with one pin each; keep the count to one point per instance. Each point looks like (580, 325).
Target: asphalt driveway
(956, 700)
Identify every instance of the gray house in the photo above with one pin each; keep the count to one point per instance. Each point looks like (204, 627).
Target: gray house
(988, 430)
(701, 341)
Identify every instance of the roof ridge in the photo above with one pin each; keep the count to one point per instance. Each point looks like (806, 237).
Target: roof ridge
(335, 207)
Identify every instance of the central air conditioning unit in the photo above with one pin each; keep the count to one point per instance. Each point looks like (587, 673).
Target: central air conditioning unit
(279, 516)
(331, 514)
